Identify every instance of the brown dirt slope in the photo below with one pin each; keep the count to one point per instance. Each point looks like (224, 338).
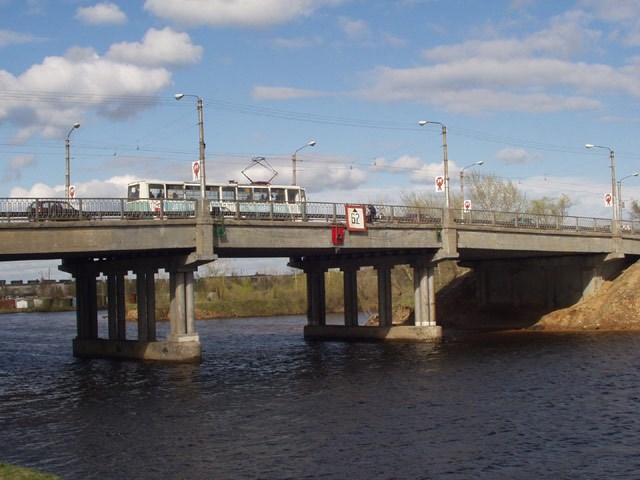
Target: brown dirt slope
(615, 306)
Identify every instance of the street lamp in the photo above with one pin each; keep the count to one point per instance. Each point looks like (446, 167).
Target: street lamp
(620, 193)
(422, 123)
(613, 183)
(203, 176)
(67, 176)
(481, 162)
(312, 143)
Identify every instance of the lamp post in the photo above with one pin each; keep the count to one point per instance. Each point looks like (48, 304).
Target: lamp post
(67, 174)
(445, 161)
(203, 176)
(620, 193)
(613, 184)
(481, 162)
(312, 143)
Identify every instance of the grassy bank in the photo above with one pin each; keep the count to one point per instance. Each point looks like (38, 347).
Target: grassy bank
(11, 472)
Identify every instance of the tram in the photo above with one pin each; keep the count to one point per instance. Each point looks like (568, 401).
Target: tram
(257, 199)
(227, 199)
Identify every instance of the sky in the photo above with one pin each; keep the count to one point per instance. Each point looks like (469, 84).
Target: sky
(521, 85)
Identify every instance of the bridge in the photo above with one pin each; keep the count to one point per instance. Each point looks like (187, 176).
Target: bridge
(520, 259)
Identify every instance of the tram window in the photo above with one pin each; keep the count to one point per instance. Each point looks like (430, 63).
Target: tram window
(277, 194)
(245, 194)
(229, 194)
(261, 194)
(156, 190)
(175, 191)
(134, 191)
(192, 191)
(213, 193)
(292, 195)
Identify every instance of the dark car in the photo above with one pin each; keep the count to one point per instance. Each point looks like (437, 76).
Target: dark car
(54, 210)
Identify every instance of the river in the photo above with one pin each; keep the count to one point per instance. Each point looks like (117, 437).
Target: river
(266, 404)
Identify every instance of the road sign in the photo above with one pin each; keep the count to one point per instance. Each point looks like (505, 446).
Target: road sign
(356, 218)
(195, 170)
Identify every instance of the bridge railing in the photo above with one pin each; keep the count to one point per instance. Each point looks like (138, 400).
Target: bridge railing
(539, 221)
(41, 209)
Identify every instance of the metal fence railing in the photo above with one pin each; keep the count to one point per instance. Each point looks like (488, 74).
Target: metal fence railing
(91, 209)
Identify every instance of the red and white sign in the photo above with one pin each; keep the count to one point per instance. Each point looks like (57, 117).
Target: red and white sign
(467, 205)
(356, 218)
(72, 191)
(608, 200)
(439, 183)
(195, 170)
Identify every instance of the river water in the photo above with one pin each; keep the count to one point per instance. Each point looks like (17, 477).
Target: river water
(266, 404)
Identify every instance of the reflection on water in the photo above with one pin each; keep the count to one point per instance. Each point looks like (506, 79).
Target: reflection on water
(265, 403)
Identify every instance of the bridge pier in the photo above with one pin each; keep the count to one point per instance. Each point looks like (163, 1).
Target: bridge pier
(182, 343)
(424, 327)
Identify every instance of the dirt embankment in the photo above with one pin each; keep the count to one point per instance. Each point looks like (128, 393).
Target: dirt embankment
(615, 306)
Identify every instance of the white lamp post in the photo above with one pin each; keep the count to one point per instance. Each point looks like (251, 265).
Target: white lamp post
(67, 176)
(620, 193)
(613, 184)
(481, 162)
(445, 161)
(203, 176)
(312, 143)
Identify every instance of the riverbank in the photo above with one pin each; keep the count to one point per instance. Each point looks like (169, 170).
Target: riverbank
(12, 472)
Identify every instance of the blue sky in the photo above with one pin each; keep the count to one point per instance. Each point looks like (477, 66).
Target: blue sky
(521, 85)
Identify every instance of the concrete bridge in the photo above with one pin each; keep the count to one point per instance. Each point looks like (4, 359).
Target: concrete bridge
(520, 260)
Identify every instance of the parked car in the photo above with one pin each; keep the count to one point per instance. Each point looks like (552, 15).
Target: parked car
(54, 210)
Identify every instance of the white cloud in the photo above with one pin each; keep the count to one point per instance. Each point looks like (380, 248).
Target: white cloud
(355, 29)
(234, 13)
(16, 165)
(105, 13)
(512, 156)
(283, 93)
(8, 37)
(164, 47)
(105, 84)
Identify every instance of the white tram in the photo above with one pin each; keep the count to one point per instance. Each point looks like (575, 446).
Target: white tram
(259, 199)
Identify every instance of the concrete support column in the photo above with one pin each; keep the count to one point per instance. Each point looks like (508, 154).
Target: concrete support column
(424, 295)
(350, 293)
(385, 313)
(146, 292)
(141, 300)
(316, 298)
(182, 306)
(86, 305)
(116, 306)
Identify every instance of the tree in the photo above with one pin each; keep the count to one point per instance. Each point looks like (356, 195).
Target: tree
(550, 206)
(492, 193)
(634, 213)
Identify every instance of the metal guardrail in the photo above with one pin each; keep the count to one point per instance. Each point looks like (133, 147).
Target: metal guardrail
(14, 210)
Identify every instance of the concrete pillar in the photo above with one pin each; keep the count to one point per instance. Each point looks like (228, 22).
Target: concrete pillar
(190, 302)
(116, 306)
(182, 307)
(385, 307)
(424, 295)
(150, 287)
(141, 292)
(316, 296)
(86, 305)
(350, 293)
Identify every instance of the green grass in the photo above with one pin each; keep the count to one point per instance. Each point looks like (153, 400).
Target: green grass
(11, 472)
